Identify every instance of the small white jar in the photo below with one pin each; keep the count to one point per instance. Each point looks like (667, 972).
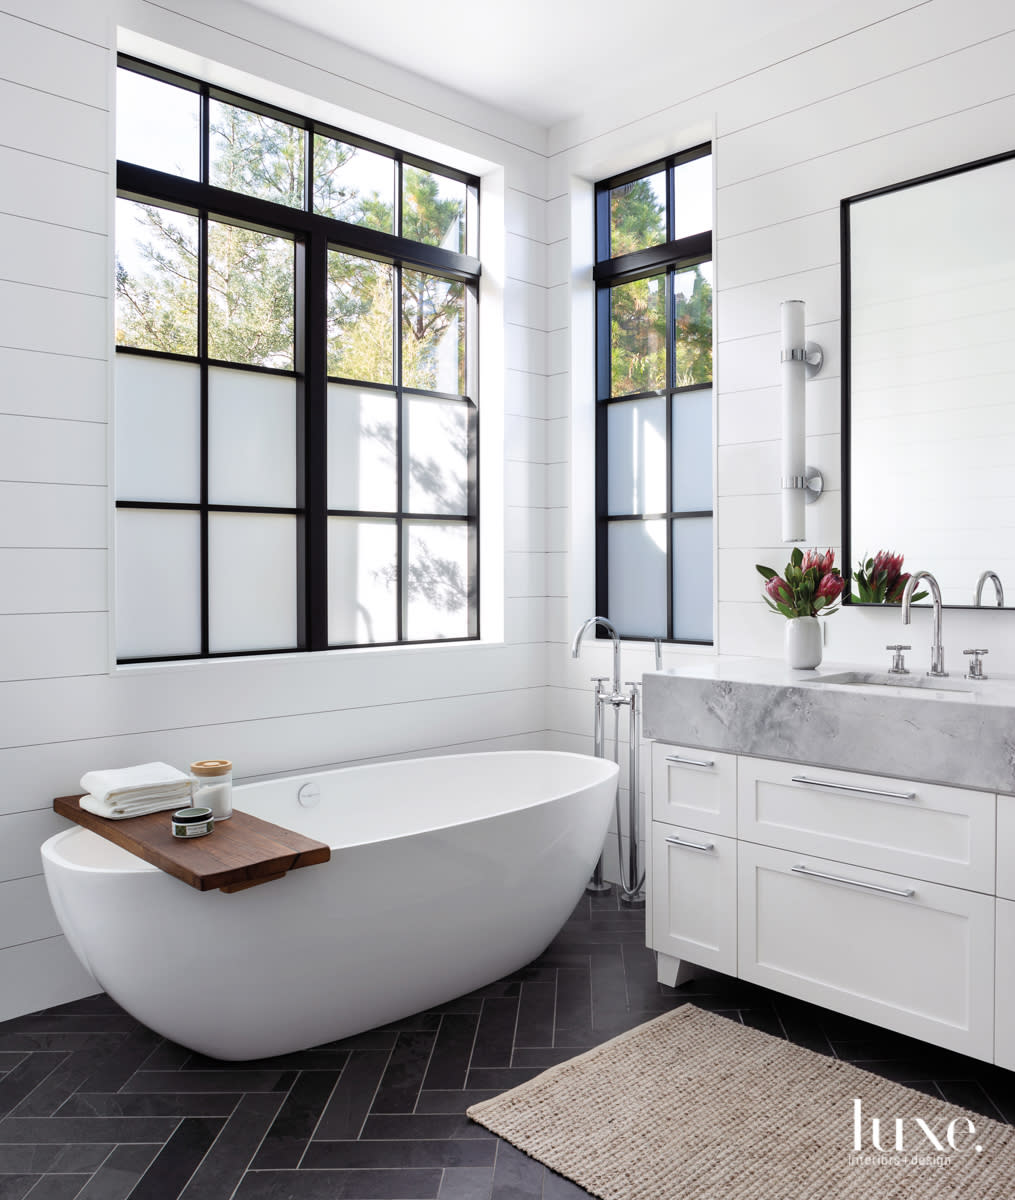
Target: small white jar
(213, 786)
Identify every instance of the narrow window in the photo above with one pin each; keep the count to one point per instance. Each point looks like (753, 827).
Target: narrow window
(654, 516)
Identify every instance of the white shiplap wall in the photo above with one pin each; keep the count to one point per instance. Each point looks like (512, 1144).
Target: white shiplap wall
(61, 710)
(895, 91)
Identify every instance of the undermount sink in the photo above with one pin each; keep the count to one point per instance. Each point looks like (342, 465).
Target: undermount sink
(929, 687)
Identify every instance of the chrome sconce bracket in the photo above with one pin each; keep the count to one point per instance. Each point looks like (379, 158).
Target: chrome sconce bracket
(812, 484)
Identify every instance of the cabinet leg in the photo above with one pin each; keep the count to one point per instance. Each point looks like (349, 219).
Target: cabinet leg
(674, 971)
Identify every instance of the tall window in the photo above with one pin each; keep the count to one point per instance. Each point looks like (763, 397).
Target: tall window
(653, 278)
(296, 419)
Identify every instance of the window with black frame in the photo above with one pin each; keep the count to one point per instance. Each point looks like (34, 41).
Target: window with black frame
(653, 276)
(296, 414)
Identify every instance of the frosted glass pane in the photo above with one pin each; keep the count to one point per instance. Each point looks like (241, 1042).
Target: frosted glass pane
(637, 588)
(636, 468)
(158, 583)
(362, 439)
(251, 438)
(362, 581)
(692, 579)
(437, 436)
(158, 429)
(157, 125)
(437, 580)
(692, 189)
(692, 451)
(251, 582)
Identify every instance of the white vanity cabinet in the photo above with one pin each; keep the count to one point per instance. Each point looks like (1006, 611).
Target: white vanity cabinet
(1004, 917)
(692, 881)
(871, 896)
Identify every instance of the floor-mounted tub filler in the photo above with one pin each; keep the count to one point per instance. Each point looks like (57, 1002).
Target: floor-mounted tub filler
(446, 873)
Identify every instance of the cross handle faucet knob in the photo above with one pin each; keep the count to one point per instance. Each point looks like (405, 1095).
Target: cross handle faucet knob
(898, 666)
(975, 664)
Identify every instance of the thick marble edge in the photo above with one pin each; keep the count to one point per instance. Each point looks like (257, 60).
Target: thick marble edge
(770, 712)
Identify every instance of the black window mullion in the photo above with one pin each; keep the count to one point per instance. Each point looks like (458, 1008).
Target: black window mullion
(670, 498)
(401, 583)
(202, 350)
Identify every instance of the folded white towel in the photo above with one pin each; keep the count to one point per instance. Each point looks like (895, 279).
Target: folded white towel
(120, 812)
(148, 782)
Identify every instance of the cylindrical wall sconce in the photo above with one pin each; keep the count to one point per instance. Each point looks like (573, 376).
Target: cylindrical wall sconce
(799, 358)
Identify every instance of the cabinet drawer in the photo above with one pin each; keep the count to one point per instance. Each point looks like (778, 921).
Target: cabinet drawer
(941, 834)
(1006, 847)
(696, 788)
(1004, 985)
(694, 896)
(912, 956)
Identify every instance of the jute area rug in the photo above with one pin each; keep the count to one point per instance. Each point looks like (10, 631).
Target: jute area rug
(693, 1106)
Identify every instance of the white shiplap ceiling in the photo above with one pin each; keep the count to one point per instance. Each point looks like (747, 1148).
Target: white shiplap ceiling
(547, 60)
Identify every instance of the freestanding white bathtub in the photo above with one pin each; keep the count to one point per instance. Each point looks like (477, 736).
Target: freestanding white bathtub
(446, 873)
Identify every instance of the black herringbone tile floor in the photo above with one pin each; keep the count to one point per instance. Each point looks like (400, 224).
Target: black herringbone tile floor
(94, 1106)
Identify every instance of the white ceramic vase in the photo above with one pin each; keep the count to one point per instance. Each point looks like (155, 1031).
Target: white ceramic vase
(803, 643)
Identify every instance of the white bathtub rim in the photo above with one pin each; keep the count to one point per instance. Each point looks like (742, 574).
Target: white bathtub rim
(135, 865)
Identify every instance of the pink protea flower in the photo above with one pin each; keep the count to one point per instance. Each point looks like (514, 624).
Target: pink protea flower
(778, 589)
(814, 558)
(830, 587)
(891, 564)
(893, 591)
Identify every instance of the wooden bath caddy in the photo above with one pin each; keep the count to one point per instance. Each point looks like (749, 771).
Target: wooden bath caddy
(241, 853)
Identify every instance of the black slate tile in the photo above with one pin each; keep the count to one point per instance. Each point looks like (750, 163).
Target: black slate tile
(542, 1056)
(340, 1185)
(516, 1176)
(226, 1161)
(54, 1040)
(423, 1022)
(64, 1130)
(167, 1056)
(500, 1078)
(39, 1159)
(16, 1187)
(157, 1104)
(765, 1019)
(556, 1187)
(317, 1059)
(9, 1059)
(466, 1183)
(495, 1035)
(453, 1102)
(968, 1093)
(452, 1050)
(178, 1159)
(119, 1174)
(463, 1152)
(47, 1022)
(350, 1102)
(295, 1122)
(507, 987)
(100, 1002)
(28, 1075)
(58, 1187)
(403, 1076)
(373, 1039)
(421, 1126)
(232, 1080)
(536, 1007)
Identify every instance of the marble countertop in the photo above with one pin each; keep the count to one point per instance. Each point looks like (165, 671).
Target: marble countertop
(953, 730)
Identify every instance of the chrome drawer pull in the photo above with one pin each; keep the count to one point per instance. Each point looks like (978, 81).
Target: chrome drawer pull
(676, 841)
(851, 787)
(870, 887)
(690, 762)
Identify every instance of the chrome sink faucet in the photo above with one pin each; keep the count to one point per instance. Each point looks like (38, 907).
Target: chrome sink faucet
(998, 589)
(937, 654)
